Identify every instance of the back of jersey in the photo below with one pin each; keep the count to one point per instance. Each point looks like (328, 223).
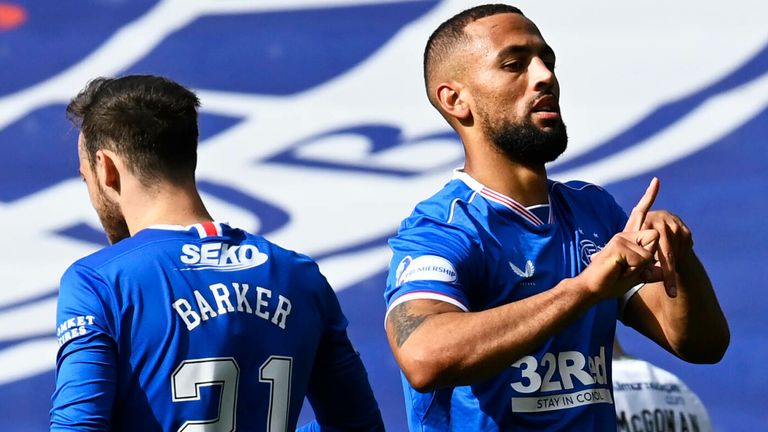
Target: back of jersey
(209, 328)
(648, 397)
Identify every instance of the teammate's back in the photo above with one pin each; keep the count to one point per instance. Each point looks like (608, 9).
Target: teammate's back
(185, 323)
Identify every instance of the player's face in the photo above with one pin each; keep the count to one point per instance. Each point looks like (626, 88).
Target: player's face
(109, 212)
(515, 94)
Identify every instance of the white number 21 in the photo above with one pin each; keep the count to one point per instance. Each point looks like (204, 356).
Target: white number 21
(191, 375)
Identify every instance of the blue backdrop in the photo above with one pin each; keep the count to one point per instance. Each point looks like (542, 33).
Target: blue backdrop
(315, 132)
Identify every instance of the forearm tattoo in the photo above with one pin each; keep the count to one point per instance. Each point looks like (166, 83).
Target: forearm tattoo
(404, 323)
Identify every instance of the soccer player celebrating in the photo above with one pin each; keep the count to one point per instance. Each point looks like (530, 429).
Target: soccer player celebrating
(185, 323)
(505, 286)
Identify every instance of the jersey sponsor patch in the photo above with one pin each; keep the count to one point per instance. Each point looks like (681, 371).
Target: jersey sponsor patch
(221, 257)
(73, 328)
(561, 401)
(426, 267)
(562, 373)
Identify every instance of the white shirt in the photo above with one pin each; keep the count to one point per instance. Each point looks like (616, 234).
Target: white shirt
(650, 399)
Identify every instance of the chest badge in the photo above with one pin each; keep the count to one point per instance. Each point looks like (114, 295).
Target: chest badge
(587, 248)
(528, 272)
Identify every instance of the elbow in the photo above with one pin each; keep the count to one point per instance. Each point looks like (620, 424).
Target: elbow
(710, 350)
(718, 347)
(422, 382)
(708, 356)
(422, 370)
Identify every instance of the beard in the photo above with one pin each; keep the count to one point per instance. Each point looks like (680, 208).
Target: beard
(111, 217)
(525, 143)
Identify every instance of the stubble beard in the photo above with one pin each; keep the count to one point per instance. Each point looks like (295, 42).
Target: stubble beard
(112, 219)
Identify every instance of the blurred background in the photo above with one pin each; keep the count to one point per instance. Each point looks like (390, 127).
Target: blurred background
(315, 132)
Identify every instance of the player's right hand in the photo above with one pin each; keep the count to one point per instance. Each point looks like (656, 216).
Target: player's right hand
(628, 258)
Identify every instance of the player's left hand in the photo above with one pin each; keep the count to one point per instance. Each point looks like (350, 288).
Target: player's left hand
(675, 242)
(675, 245)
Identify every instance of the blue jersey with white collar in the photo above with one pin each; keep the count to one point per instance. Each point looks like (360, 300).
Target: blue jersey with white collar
(203, 328)
(478, 249)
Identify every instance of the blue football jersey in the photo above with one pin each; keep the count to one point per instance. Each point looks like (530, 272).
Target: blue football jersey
(478, 249)
(203, 328)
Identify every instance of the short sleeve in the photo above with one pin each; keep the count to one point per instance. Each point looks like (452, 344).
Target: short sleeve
(432, 261)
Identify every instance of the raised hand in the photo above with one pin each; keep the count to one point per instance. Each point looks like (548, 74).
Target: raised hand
(692, 326)
(675, 241)
(629, 257)
(637, 217)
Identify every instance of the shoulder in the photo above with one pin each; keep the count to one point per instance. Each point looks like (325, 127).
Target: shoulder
(82, 279)
(583, 195)
(85, 304)
(274, 251)
(640, 385)
(442, 206)
(282, 255)
(94, 268)
(131, 252)
(291, 267)
(438, 238)
(448, 213)
(577, 189)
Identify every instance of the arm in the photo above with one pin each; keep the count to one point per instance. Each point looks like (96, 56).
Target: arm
(437, 345)
(339, 392)
(86, 361)
(681, 314)
(85, 388)
(338, 389)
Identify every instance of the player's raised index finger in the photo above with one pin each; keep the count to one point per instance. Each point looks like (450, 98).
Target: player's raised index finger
(637, 217)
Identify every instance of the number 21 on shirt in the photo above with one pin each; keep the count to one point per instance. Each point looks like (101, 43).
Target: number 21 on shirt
(224, 371)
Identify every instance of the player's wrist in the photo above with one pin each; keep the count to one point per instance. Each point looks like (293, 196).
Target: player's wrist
(587, 292)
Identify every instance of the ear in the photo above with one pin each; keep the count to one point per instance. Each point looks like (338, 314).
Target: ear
(108, 170)
(452, 97)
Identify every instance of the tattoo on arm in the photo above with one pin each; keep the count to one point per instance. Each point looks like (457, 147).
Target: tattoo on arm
(404, 323)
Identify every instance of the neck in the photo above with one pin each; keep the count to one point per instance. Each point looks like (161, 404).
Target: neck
(526, 185)
(166, 204)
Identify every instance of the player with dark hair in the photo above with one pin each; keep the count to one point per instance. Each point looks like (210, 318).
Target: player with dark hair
(505, 286)
(185, 323)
